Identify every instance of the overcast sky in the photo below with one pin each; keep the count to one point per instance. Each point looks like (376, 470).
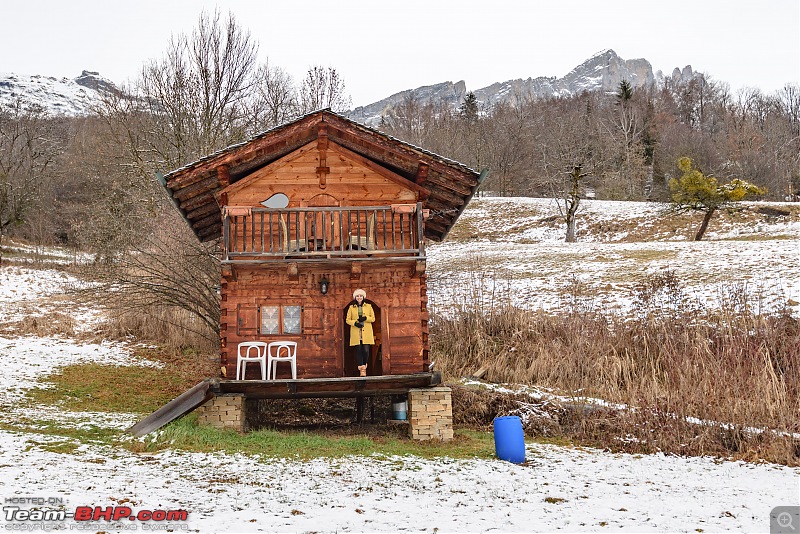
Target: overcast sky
(382, 47)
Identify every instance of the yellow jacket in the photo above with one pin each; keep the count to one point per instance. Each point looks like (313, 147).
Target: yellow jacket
(357, 334)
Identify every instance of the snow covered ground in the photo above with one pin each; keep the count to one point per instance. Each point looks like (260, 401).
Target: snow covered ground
(508, 248)
(558, 488)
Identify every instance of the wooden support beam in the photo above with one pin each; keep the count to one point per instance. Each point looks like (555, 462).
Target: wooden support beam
(422, 173)
(322, 145)
(327, 387)
(293, 272)
(223, 176)
(355, 270)
(418, 268)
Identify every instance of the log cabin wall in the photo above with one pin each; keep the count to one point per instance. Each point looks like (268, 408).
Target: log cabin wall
(398, 294)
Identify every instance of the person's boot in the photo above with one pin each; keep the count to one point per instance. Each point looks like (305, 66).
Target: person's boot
(362, 370)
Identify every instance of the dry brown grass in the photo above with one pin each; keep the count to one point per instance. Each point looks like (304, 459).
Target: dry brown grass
(172, 328)
(697, 381)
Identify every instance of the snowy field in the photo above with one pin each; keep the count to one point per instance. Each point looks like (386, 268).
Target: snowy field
(557, 489)
(508, 248)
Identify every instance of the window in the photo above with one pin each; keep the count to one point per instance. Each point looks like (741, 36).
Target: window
(278, 200)
(280, 320)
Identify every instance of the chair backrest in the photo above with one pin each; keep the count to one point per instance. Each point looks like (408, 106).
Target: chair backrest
(289, 347)
(259, 347)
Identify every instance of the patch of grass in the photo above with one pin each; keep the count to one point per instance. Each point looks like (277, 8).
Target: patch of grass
(109, 388)
(51, 323)
(186, 434)
(61, 447)
(648, 255)
(674, 359)
(760, 237)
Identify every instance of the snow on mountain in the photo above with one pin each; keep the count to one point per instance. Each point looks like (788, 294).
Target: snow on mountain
(72, 97)
(603, 71)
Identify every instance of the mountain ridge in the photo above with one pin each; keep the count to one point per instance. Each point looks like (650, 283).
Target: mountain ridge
(602, 71)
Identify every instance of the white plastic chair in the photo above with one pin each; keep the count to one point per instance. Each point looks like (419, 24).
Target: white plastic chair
(284, 351)
(260, 348)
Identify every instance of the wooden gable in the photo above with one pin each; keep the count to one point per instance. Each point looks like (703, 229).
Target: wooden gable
(347, 180)
(443, 185)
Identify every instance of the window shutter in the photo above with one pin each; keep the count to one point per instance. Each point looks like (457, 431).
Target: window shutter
(247, 320)
(313, 320)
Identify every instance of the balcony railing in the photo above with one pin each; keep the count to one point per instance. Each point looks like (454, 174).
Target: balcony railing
(323, 233)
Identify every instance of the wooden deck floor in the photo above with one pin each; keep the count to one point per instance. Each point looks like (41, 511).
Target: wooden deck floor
(351, 386)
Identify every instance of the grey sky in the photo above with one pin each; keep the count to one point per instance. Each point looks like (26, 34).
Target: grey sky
(381, 48)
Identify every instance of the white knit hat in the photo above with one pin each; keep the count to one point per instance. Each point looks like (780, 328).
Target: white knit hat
(359, 292)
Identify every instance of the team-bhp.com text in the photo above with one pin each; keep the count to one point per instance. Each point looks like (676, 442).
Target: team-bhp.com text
(91, 513)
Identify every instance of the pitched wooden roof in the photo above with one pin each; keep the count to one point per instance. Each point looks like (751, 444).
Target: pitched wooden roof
(449, 185)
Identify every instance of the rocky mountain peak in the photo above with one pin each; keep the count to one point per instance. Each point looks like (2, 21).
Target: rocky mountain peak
(601, 72)
(94, 81)
(448, 92)
(63, 96)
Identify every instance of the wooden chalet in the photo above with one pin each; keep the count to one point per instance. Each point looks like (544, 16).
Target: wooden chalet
(309, 211)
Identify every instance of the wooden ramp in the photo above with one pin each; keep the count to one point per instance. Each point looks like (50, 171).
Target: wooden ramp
(185, 403)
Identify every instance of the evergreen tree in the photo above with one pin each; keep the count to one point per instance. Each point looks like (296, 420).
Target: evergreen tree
(468, 109)
(695, 190)
(624, 91)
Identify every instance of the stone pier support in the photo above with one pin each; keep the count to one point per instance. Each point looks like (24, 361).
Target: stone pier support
(430, 413)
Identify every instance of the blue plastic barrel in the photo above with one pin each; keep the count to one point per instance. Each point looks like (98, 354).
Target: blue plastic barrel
(509, 440)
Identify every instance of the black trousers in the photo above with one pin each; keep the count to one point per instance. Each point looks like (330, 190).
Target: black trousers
(362, 354)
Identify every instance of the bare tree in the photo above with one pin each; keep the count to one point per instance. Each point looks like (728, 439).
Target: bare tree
(570, 155)
(166, 269)
(323, 88)
(193, 101)
(275, 99)
(30, 145)
(510, 132)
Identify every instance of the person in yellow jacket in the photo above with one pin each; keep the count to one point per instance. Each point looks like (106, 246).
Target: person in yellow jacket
(360, 317)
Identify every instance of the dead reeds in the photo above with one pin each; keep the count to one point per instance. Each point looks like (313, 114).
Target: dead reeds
(696, 380)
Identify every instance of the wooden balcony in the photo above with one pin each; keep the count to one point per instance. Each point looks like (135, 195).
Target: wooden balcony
(363, 232)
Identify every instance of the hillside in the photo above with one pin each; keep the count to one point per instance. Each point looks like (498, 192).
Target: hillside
(517, 246)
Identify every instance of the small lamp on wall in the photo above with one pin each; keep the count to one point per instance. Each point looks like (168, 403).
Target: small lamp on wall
(323, 285)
